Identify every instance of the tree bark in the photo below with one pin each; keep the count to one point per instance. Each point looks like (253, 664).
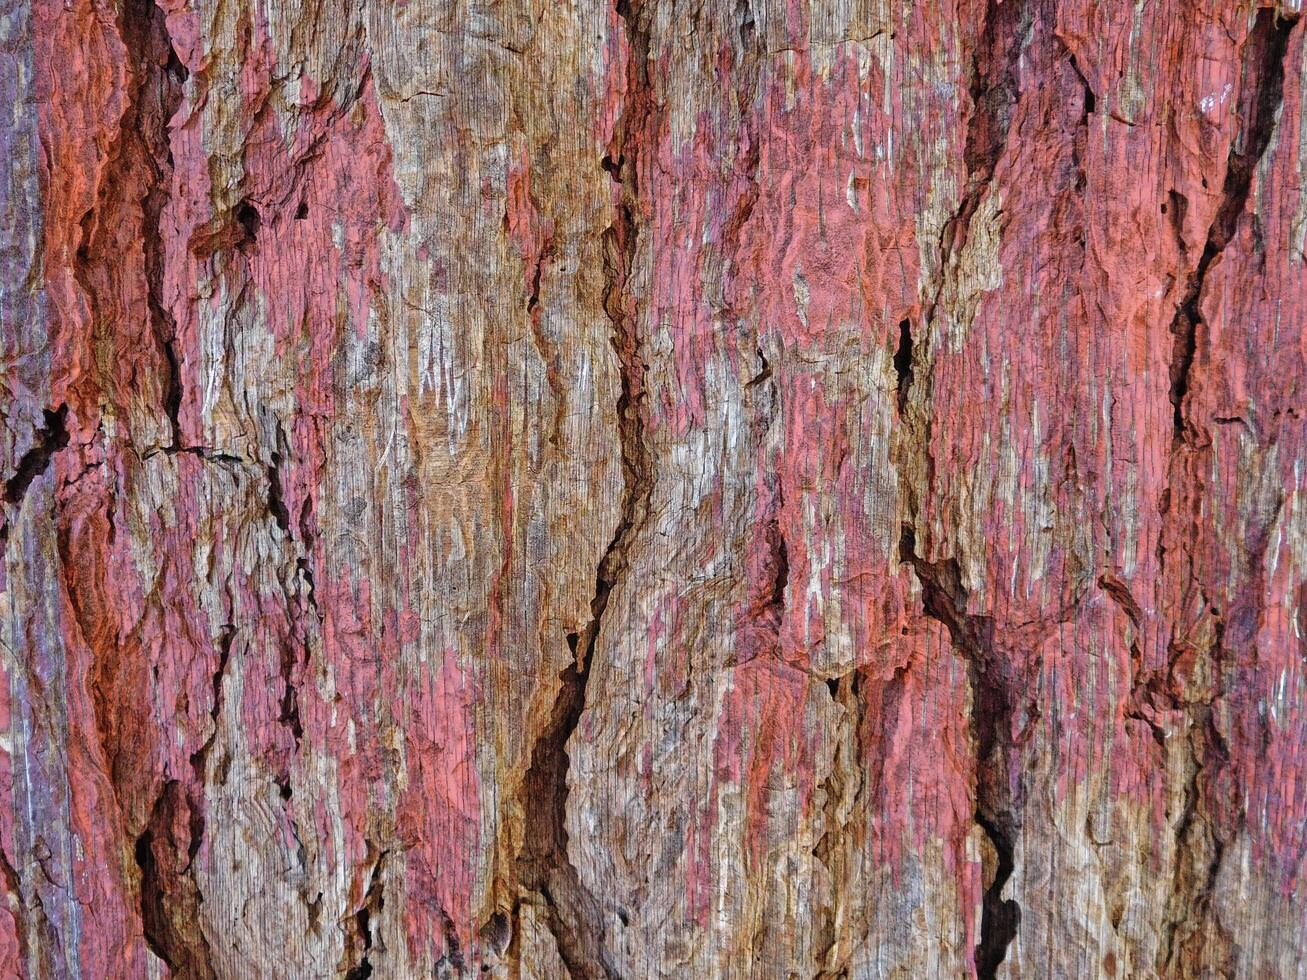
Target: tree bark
(733, 488)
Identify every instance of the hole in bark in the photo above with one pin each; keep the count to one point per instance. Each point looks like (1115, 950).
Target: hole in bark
(373, 902)
(999, 917)
(301, 212)
(903, 363)
(52, 437)
(497, 934)
(247, 215)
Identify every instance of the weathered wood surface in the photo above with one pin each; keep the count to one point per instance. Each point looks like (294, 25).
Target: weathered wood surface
(675, 489)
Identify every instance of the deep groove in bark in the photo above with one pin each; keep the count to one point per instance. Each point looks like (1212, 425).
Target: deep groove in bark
(994, 91)
(993, 689)
(994, 94)
(360, 941)
(17, 906)
(171, 928)
(1263, 75)
(293, 658)
(1198, 838)
(152, 914)
(50, 438)
(1000, 917)
(836, 849)
(200, 757)
(544, 865)
(903, 365)
(158, 76)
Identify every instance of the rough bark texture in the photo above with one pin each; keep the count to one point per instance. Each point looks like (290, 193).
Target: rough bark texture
(688, 488)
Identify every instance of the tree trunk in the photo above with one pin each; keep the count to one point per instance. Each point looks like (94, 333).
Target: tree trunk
(734, 488)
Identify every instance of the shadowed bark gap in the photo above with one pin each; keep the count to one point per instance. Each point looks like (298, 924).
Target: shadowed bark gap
(993, 686)
(1262, 81)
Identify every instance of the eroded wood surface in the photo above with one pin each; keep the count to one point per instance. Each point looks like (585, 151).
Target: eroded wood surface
(675, 489)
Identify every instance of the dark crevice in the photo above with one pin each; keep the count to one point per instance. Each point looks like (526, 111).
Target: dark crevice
(360, 941)
(200, 757)
(248, 217)
(533, 300)
(302, 565)
(1200, 848)
(944, 599)
(1148, 687)
(276, 498)
(544, 867)
(903, 364)
(999, 917)
(172, 393)
(17, 906)
(206, 453)
(159, 77)
(1262, 85)
(1200, 851)
(292, 657)
(49, 439)
(153, 918)
(764, 373)
(454, 955)
(779, 560)
(994, 693)
(497, 934)
(995, 88)
(1090, 101)
(1079, 144)
(836, 848)
(168, 901)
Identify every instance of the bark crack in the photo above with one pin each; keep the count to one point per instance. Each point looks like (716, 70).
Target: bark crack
(903, 365)
(995, 88)
(835, 849)
(572, 912)
(168, 918)
(994, 691)
(49, 439)
(158, 79)
(360, 941)
(1263, 79)
(200, 757)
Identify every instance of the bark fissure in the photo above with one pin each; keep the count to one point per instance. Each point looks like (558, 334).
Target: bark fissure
(836, 849)
(301, 601)
(168, 916)
(49, 439)
(1262, 78)
(158, 75)
(903, 365)
(1199, 846)
(152, 899)
(17, 905)
(994, 91)
(360, 942)
(200, 757)
(573, 914)
(994, 697)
